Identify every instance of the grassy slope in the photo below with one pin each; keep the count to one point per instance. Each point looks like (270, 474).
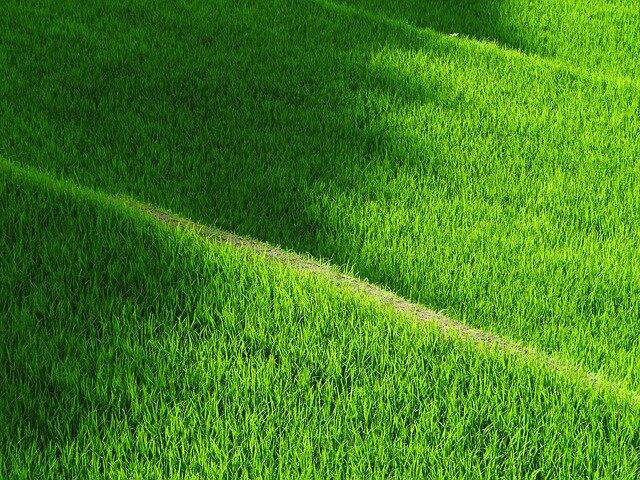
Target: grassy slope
(130, 350)
(601, 36)
(500, 187)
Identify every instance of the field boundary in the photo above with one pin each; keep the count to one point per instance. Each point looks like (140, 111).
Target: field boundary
(536, 59)
(310, 265)
(421, 314)
(306, 264)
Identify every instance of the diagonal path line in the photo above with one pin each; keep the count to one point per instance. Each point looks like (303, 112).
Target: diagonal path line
(420, 313)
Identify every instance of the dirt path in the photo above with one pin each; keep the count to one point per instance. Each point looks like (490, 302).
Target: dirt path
(447, 326)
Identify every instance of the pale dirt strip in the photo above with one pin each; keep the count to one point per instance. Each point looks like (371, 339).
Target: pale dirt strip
(446, 325)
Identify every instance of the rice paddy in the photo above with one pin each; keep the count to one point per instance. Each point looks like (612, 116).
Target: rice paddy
(478, 158)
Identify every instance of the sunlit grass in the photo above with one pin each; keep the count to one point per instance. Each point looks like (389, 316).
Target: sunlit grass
(131, 350)
(499, 187)
(495, 180)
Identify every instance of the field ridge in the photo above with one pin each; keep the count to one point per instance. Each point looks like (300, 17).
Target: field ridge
(307, 264)
(536, 59)
(135, 344)
(318, 239)
(415, 311)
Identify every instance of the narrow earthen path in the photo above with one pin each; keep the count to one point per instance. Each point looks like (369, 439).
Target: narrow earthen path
(446, 325)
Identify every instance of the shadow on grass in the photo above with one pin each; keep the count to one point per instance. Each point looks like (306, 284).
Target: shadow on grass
(111, 327)
(293, 122)
(479, 19)
(235, 117)
(229, 116)
(258, 117)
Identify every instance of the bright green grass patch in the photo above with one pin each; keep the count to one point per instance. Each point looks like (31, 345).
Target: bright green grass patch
(500, 187)
(130, 350)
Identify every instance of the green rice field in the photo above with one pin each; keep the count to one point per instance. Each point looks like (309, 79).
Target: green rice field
(479, 158)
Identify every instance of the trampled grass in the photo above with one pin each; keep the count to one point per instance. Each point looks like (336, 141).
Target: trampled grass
(132, 350)
(500, 187)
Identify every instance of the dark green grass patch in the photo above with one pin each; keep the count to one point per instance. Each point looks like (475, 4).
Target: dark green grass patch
(130, 350)
(500, 187)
